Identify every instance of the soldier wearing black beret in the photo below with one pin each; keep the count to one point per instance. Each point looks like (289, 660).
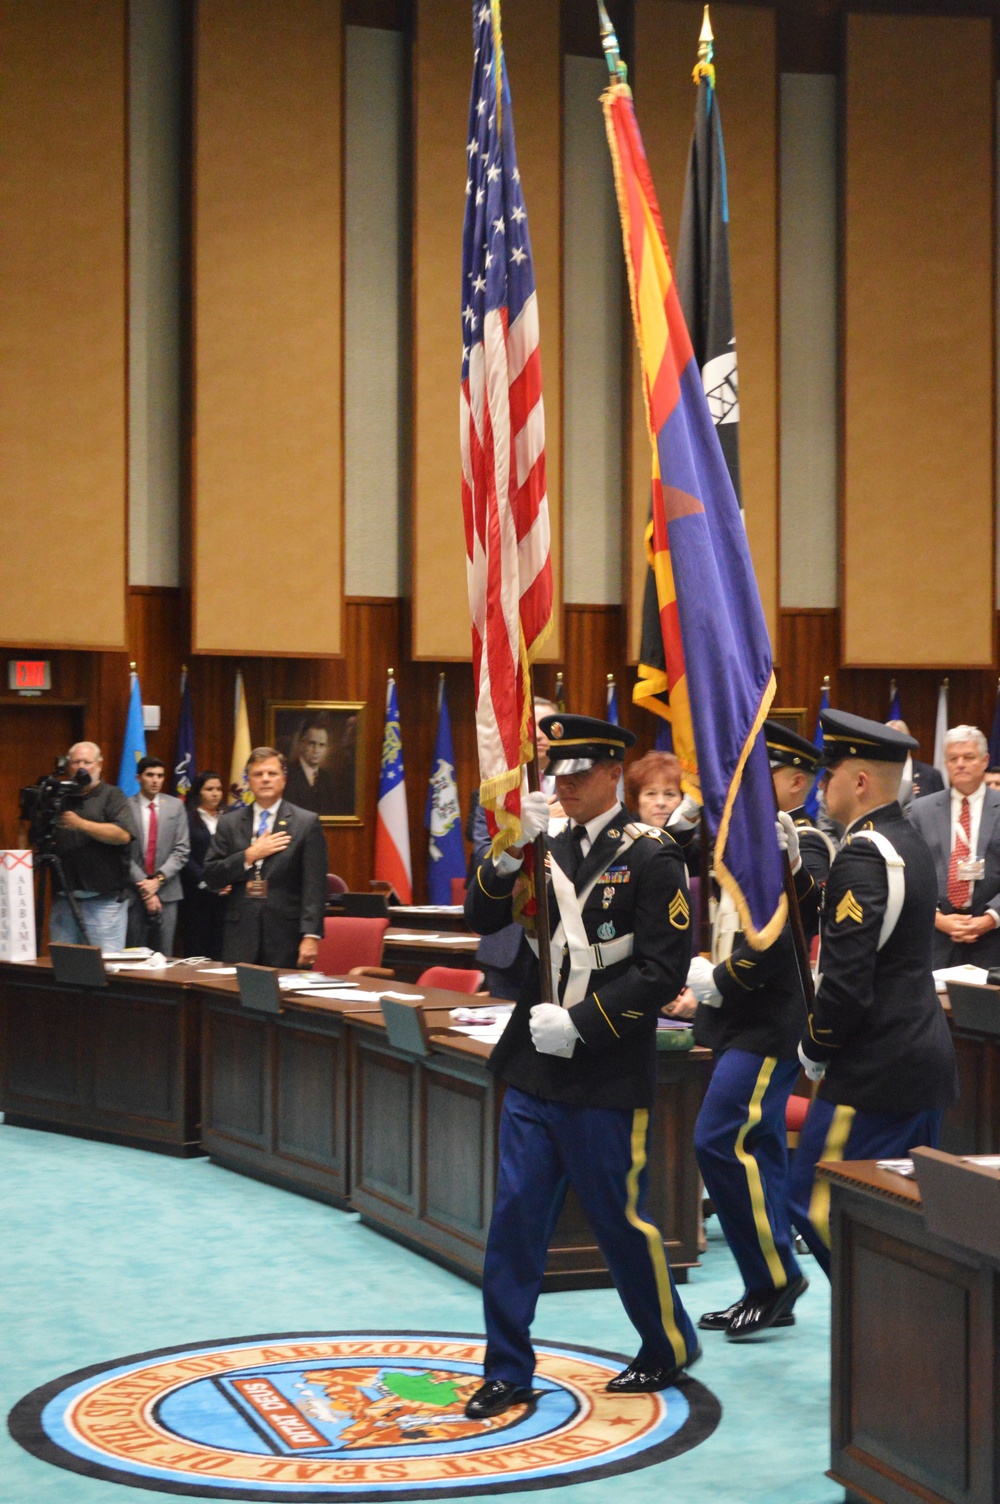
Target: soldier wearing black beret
(877, 1039)
(580, 1072)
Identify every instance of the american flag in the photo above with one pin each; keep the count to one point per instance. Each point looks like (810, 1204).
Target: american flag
(503, 436)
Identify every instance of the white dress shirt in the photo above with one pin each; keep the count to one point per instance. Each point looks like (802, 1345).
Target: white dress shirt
(594, 827)
(976, 802)
(145, 805)
(212, 821)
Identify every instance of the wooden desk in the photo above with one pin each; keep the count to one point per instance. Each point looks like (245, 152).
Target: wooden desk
(915, 1395)
(972, 1124)
(410, 952)
(119, 1063)
(275, 1089)
(439, 918)
(424, 1152)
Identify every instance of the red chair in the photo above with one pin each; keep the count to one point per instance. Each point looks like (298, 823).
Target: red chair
(458, 890)
(334, 885)
(350, 944)
(795, 1115)
(451, 979)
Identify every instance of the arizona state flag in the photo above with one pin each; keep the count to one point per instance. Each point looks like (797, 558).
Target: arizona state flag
(705, 293)
(716, 644)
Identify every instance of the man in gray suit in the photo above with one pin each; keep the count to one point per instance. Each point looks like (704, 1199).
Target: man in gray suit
(157, 859)
(961, 825)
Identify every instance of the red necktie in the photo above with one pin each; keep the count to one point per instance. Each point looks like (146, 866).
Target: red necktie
(151, 841)
(960, 892)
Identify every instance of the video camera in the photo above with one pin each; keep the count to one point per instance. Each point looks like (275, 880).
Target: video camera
(43, 802)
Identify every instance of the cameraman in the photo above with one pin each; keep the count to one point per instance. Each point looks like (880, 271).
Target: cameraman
(92, 841)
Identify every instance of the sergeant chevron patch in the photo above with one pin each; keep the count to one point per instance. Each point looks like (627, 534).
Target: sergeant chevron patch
(349, 1416)
(849, 908)
(680, 914)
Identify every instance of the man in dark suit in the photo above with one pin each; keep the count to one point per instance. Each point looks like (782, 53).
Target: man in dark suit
(580, 1071)
(919, 778)
(273, 855)
(877, 1038)
(961, 825)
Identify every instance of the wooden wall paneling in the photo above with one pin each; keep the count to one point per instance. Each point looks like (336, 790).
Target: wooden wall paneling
(63, 184)
(918, 344)
(666, 47)
(441, 102)
(268, 327)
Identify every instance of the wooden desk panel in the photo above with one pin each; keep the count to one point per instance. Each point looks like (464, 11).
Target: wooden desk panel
(275, 1091)
(914, 1394)
(424, 1136)
(117, 1063)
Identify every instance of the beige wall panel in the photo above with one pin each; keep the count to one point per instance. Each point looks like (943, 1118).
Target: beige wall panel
(918, 358)
(63, 175)
(666, 47)
(268, 327)
(442, 73)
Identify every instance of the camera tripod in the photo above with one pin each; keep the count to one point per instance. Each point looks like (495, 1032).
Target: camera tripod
(48, 862)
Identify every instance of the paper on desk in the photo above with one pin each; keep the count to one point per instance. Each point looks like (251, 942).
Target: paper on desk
(489, 1033)
(424, 936)
(134, 953)
(429, 908)
(218, 971)
(346, 994)
(975, 976)
(404, 997)
(308, 981)
(155, 962)
(897, 1166)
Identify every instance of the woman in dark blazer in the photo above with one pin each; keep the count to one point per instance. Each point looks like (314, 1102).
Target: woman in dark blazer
(203, 910)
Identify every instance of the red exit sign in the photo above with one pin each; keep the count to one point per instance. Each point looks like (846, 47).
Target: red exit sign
(28, 673)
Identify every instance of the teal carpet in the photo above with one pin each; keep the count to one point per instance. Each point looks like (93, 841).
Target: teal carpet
(105, 1252)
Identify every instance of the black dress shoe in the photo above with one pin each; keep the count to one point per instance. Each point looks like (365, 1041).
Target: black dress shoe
(758, 1311)
(638, 1379)
(496, 1396)
(719, 1321)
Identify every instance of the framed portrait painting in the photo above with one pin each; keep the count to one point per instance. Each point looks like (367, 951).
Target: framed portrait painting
(324, 742)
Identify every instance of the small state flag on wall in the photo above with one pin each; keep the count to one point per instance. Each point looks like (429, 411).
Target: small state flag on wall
(392, 826)
(443, 815)
(134, 742)
(185, 772)
(239, 788)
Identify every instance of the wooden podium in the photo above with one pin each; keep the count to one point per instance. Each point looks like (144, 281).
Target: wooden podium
(915, 1392)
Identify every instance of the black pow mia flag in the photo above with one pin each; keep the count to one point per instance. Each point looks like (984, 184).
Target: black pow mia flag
(703, 282)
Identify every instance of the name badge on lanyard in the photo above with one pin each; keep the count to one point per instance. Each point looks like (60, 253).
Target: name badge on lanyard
(972, 869)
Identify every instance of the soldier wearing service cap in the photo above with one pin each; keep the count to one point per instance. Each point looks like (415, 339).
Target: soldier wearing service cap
(580, 1072)
(876, 1039)
(751, 1010)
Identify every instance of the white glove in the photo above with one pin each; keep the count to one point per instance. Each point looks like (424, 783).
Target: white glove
(788, 839)
(814, 1069)
(534, 816)
(552, 1031)
(686, 815)
(701, 980)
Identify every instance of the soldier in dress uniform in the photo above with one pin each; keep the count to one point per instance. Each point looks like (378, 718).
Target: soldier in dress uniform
(580, 1072)
(751, 1012)
(876, 1038)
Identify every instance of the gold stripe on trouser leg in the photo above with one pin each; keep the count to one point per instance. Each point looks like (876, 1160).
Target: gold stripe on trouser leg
(836, 1142)
(755, 1188)
(658, 1258)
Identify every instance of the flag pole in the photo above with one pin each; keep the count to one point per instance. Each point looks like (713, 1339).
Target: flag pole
(543, 929)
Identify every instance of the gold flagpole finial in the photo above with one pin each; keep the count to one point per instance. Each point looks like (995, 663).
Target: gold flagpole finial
(611, 678)
(131, 668)
(612, 52)
(392, 673)
(892, 688)
(704, 67)
(826, 681)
